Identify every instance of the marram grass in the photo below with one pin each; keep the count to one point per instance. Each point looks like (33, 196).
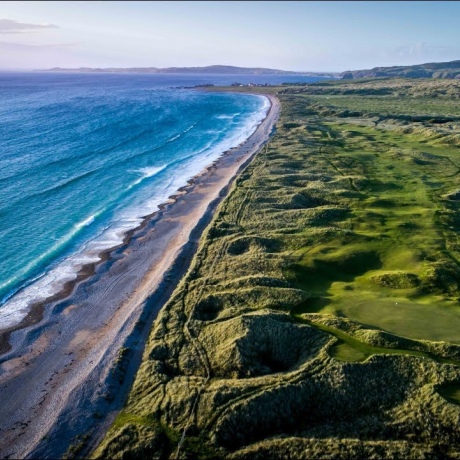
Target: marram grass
(320, 317)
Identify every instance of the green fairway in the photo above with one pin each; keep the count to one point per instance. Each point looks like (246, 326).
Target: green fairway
(396, 264)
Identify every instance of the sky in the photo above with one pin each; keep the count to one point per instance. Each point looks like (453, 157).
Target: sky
(300, 35)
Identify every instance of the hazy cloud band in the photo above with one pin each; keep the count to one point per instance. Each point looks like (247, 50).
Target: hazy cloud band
(9, 26)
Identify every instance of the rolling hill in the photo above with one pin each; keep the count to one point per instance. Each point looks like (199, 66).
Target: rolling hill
(431, 70)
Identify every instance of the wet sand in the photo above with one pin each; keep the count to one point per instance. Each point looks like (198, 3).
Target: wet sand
(62, 374)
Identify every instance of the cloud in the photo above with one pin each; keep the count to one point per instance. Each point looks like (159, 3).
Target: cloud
(22, 46)
(9, 26)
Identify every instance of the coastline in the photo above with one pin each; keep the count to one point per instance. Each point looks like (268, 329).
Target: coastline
(70, 343)
(54, 280)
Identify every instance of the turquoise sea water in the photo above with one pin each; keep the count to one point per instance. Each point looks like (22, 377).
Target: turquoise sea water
(84, 157)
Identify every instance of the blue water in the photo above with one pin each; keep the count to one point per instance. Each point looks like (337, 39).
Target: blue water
(83, 157)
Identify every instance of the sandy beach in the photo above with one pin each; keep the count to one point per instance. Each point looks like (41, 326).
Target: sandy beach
(65, 371)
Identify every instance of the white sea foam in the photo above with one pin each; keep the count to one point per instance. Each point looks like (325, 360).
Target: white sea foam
(51, 282)
(146, 173)
(227, 117)
(59, 243)
(181, 134)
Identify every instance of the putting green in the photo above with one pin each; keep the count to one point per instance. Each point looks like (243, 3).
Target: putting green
(438, 321)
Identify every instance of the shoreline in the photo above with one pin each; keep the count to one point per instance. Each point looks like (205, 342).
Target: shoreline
(70, 343)
(36, 310)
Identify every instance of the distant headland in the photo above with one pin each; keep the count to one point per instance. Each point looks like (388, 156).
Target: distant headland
(212, 69)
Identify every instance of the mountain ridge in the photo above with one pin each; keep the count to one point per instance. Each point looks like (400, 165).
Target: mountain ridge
(213, 69)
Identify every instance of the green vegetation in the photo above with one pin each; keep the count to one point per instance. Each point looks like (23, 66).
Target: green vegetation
(450, 391)
(430, 70)
(320, 317)
(78, 444)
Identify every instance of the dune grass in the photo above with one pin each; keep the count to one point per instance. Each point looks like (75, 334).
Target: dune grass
(322, 306)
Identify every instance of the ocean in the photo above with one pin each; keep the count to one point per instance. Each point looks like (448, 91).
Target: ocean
(84, 157)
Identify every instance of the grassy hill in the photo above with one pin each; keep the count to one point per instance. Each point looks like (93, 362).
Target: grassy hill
(320, 316)
(430, 70)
